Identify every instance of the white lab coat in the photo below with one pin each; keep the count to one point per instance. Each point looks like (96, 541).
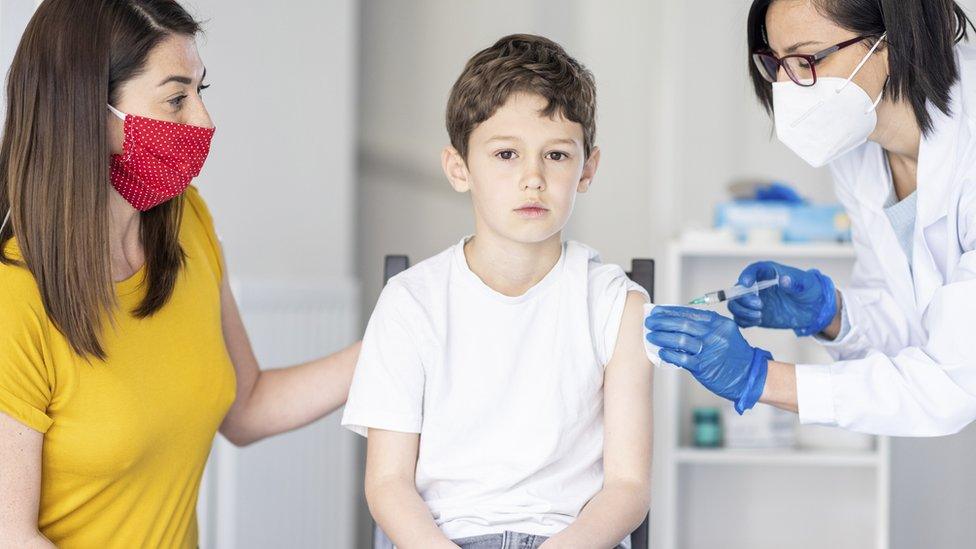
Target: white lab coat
(907, 367)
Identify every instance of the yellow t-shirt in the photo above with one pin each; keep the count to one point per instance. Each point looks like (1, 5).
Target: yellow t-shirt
(125, 440)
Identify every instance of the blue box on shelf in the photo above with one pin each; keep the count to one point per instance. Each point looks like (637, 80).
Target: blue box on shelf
(795, 222)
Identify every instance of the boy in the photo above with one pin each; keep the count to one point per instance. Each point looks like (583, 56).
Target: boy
(503, 383)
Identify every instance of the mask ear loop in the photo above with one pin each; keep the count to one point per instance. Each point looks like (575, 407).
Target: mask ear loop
(6, 218)
(880, 95)
(861, 64)
(116, 112)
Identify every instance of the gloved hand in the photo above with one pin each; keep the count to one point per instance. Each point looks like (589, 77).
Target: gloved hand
(711, 347)
(804, 300)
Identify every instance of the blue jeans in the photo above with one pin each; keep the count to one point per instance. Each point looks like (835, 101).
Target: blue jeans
(506, 540)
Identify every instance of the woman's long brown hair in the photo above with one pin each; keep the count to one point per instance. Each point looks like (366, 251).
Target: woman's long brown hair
(54, 159)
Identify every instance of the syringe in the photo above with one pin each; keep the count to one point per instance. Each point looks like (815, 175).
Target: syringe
(718, 296)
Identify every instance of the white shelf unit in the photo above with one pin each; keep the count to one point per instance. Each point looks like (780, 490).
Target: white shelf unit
(822, 493)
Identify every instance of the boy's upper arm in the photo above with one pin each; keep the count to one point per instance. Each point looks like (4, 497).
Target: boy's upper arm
(388, 386)
(628, 391)
(391, 455)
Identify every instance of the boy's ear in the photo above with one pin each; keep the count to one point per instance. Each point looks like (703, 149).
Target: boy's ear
(455, 169)
(589, 170)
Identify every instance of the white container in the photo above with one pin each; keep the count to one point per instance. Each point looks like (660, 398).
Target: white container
(761, 427)
(818, 437)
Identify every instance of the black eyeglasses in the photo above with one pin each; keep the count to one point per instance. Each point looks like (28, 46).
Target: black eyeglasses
(801, 68)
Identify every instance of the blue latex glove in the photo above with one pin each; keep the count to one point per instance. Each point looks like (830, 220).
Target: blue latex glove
(711, 347)
(804, 301)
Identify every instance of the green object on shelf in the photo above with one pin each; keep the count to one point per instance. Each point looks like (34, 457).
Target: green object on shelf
(708, 427)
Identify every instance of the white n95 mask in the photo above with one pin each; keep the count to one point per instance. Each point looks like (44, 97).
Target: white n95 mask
(822, 122)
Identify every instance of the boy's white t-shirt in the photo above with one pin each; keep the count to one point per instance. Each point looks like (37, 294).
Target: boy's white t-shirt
(506, 392)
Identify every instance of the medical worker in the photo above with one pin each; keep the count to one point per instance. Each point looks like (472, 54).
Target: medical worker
(884, 94)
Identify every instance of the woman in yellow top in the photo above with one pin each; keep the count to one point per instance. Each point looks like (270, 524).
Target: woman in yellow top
(121, 348)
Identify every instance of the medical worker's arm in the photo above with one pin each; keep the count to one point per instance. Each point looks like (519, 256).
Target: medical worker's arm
(780, 389)
(925, 390)
(620, 507)
(872, 319)
(270, 402)
(928, 390)
(391, 492)
(20, 485)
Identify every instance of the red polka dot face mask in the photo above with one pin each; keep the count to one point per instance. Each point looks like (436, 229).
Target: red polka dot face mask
(158, 160)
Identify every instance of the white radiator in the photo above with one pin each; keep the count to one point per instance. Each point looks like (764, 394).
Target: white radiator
(299, 489)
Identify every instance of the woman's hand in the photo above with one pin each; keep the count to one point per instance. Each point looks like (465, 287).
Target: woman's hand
(804, 301)
(712, 348)
(275, 401)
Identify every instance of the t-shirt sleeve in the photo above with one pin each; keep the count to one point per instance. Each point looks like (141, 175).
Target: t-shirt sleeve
(608, 288)
(388, 387)
(26, 383)
(202, 223)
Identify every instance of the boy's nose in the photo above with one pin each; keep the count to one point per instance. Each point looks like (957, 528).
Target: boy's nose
(533, 180)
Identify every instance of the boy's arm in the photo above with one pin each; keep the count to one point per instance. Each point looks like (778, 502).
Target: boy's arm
(621, 505)
(391, 492)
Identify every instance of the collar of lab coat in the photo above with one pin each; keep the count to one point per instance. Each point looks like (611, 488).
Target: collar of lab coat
(939, 152)
(943, 163)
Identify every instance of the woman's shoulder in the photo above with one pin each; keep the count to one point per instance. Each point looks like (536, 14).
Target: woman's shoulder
(19, 293)
(196, 206)
(198, 229)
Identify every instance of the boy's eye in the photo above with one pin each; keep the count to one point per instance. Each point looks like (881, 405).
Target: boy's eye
(505, 155)
(557, 155)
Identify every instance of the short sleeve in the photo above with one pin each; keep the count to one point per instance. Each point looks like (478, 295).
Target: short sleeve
(608, 289)
(201, 223)
(26, 383)
(388, 386)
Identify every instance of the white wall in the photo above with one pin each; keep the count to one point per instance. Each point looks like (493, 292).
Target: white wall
(280, 177)
(280, 182)
(411, 54)
(14, 15)
(676, 121)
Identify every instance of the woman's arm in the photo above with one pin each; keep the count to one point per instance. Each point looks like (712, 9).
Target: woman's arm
(391, 463)
(275, 401)
(621, 505)
(20, 485)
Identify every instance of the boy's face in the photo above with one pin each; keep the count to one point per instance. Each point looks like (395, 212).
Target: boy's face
(523, 170)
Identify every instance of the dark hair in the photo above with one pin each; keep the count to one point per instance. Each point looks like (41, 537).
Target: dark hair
(521, 63)
(921, 40)
(54, 158)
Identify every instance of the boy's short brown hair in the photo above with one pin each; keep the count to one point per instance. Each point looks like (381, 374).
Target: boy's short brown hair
(521, 63)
